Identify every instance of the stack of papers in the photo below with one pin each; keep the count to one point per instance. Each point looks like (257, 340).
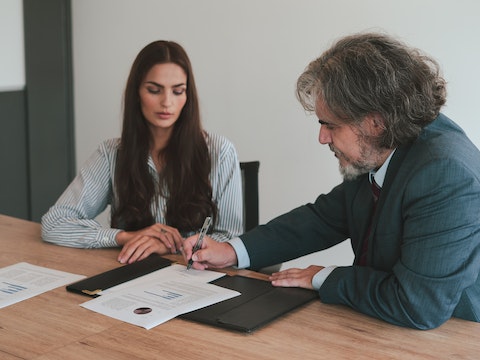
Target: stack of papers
(162, 295)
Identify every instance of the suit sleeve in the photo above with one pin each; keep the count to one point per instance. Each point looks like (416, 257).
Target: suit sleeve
(439, 253)
(306, 229)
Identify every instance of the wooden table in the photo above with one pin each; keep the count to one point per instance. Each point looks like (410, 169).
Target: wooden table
(54, 326)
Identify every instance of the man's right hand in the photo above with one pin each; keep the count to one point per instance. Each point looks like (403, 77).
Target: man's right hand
(213, 254)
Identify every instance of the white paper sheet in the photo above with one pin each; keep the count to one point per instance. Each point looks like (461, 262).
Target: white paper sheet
(23, 280)
(174, 271)
(160, 296)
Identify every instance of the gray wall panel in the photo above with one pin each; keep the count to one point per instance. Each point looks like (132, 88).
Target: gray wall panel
(49, 100)
(14, 189)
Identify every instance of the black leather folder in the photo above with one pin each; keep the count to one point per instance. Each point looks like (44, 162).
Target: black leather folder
(92, 286)
(258, 304)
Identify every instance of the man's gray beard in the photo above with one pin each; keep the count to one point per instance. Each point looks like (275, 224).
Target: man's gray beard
(352, 172)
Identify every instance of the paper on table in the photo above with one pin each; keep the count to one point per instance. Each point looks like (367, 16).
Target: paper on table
(151, 303)
(22, 281)
(174, 271)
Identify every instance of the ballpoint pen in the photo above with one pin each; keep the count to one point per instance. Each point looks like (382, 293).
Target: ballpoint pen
(198, 244)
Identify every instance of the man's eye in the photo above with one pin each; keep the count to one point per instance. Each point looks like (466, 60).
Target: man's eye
(328, 125)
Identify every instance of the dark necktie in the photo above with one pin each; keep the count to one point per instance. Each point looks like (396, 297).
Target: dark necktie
(376, 194)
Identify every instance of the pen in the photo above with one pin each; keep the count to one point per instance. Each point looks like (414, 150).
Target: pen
(198, 244)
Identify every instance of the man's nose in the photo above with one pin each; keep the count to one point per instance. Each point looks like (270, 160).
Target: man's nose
(324, 136)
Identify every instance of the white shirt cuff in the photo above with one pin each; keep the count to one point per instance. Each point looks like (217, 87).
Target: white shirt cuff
(243, 260)
(320, 277)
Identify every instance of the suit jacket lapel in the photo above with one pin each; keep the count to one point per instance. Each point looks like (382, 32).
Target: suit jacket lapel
(361, 207)
(393, 174)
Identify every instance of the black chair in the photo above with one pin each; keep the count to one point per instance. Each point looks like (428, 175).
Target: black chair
(250, 202)
(250, 193)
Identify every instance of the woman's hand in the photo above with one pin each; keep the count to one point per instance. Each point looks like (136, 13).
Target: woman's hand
(157, 238)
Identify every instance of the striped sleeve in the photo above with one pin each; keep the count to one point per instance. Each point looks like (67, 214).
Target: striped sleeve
(227, 188)
(70, 221)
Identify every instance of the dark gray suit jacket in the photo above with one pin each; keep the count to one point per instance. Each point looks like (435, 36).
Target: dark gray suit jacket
(424, 248)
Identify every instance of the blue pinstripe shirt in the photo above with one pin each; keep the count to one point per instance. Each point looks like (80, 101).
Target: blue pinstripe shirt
(72, 220)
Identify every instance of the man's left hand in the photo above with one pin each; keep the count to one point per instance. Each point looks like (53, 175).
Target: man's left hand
(295, 277)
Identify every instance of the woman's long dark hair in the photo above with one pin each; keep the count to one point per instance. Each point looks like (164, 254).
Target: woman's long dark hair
(184, 180)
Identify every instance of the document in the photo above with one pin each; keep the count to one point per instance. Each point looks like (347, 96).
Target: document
(22, 281)
(174, 271)
(155, 298)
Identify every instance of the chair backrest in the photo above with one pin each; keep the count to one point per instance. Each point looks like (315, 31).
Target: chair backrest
(250, 193)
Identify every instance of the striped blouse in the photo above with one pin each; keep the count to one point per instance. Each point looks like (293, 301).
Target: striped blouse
(71, 221)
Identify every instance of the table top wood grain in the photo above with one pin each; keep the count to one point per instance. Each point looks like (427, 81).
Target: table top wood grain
(53, 325)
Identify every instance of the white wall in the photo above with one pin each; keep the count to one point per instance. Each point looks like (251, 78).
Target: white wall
(12, 54)
(247, 56)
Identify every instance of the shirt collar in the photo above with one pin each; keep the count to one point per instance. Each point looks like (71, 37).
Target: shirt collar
(379, 175)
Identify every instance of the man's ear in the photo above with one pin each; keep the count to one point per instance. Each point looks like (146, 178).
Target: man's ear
(375, 123)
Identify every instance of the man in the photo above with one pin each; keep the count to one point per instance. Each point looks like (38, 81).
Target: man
(417, 243)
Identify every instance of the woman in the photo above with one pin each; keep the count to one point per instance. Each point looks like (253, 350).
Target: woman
(162, 177)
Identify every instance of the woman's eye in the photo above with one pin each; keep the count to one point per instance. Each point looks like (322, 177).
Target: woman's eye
(178, 91)
(153, 90)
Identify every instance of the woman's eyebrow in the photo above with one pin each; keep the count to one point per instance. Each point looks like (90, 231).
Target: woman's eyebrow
(162, 86)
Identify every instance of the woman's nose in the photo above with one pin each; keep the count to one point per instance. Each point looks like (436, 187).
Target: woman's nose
(166, 100)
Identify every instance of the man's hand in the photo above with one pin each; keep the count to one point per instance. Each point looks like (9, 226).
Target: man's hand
(295, 277)
(213, 254)
(158, 238)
